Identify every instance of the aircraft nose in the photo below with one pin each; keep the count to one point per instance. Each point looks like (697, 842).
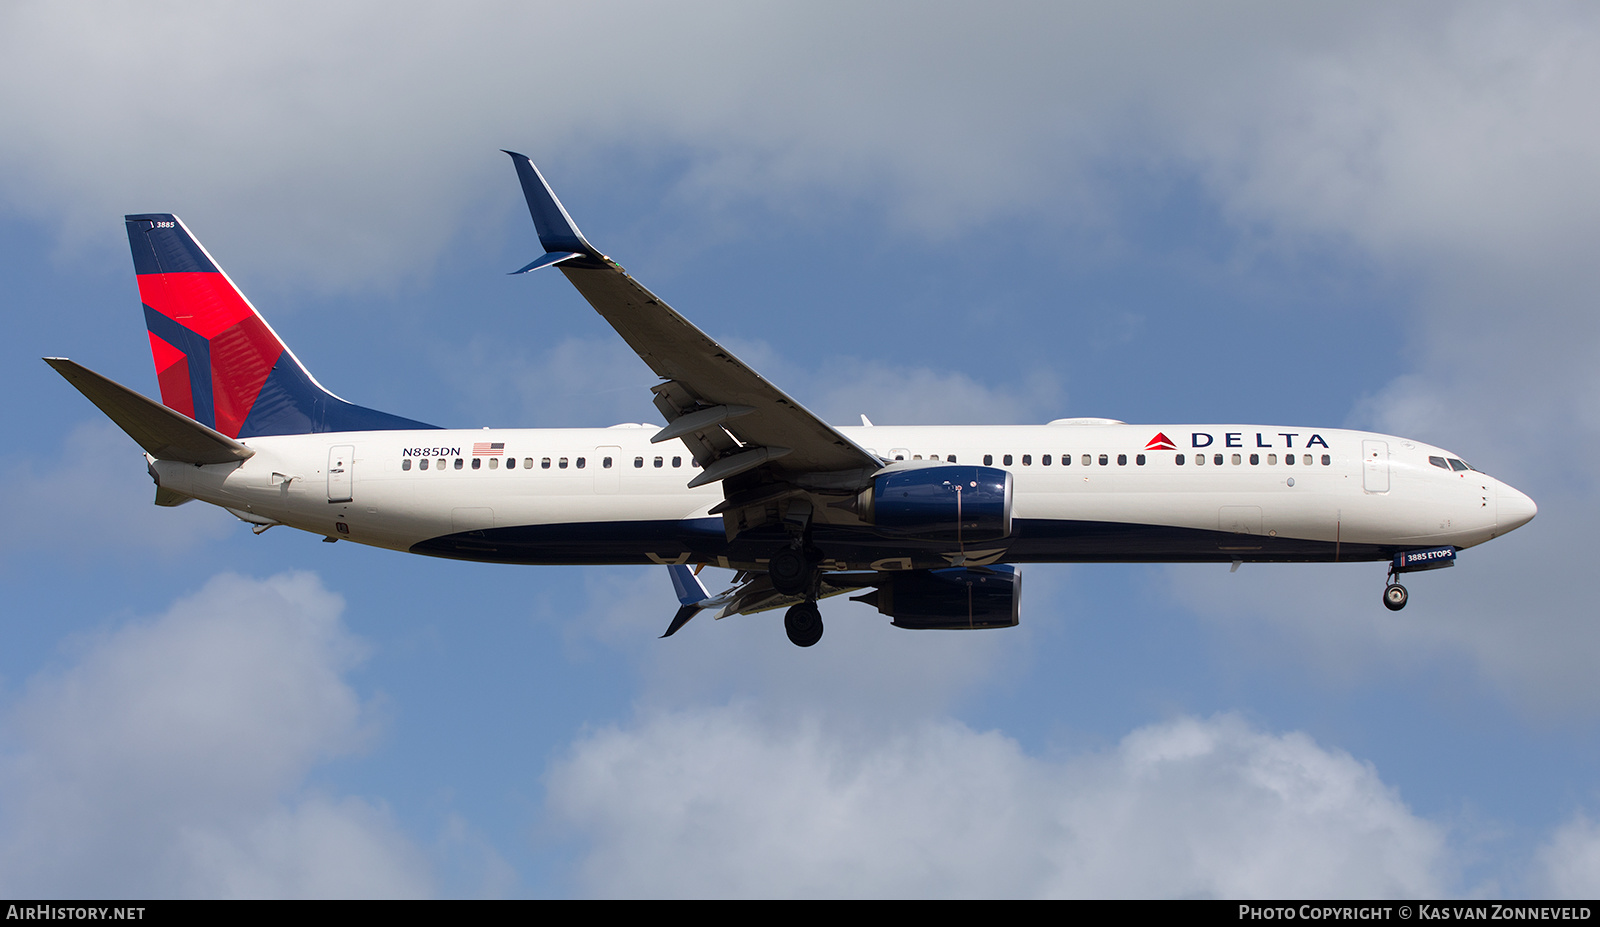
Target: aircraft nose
(1513, 509)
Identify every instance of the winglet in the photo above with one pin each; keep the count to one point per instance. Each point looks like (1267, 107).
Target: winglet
(691, 595)
(557, 232)
(687, 585)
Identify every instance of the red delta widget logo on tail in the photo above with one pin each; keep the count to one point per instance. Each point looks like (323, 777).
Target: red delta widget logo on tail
(217, 360)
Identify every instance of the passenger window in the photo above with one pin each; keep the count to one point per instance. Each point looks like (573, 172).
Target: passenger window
(638, 463)
(988, 460)
(1199, 460)
(527, 463)
(1027, 460)
(405, 464)
(494, 463)
(605, 463)
(1178, 459)
(1007, 460)
(544, 463)
(1326, 460)
(950, 458)
(1306, 459)
(677, 461)
(1045, 460)
(1272, 459)
(659, 462)
(1122, 460)
(1104, 460)
(561, 464)
(1288, 459)
(511, 463)
(581, 461)
(1139, 460)
(1088, 460)
(458, 463)
(1237, 460)
(916, 456)
(477, 463)
(1066, 460)
(1255, 459)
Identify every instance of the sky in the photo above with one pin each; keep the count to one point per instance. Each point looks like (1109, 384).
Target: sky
(1361, 215)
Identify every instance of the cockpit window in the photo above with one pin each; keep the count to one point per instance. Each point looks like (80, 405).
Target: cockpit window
(1439, 462)
(1458, 465)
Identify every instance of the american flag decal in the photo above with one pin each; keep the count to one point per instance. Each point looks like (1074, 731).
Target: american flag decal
(485, 449)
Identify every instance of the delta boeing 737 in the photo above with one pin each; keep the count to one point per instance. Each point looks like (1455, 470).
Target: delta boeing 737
(926, 523)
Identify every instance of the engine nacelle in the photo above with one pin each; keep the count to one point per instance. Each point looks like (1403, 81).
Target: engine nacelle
(950, 599)
(949, 503)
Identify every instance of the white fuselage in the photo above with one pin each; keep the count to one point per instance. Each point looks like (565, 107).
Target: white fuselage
(1356, 495)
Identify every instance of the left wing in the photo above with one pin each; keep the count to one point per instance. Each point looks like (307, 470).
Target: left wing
(762, 444)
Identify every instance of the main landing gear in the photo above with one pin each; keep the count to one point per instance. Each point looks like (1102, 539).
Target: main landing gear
(793, 571)
(803, 623)
(790, 571)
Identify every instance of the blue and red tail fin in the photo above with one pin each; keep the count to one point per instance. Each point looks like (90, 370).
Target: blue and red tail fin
(217, 360)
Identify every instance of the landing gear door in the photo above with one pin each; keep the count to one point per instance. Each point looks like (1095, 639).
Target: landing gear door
(341, 461)
(1375, 466)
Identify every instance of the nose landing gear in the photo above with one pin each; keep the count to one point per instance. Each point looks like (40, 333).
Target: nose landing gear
(1412, 561)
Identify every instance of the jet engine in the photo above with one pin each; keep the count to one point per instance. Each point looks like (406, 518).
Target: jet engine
(949, 503)
(950, 599)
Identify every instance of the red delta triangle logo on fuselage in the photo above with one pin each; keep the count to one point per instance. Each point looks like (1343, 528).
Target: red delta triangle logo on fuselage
(1160, 443)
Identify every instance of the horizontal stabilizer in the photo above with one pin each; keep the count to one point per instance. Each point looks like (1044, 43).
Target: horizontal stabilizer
(163, 433)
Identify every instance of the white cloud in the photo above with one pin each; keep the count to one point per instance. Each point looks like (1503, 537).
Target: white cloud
(344, 145)
(1568, 865)
(169, 758)
(1457, 137)
(712, 802)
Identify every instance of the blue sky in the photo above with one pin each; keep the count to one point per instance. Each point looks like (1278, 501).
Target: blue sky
(1365, 216)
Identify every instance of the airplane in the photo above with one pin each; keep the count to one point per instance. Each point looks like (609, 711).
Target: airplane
(927, 523)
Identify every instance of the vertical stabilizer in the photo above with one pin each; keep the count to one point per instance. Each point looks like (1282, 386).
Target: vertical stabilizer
(216, 359)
